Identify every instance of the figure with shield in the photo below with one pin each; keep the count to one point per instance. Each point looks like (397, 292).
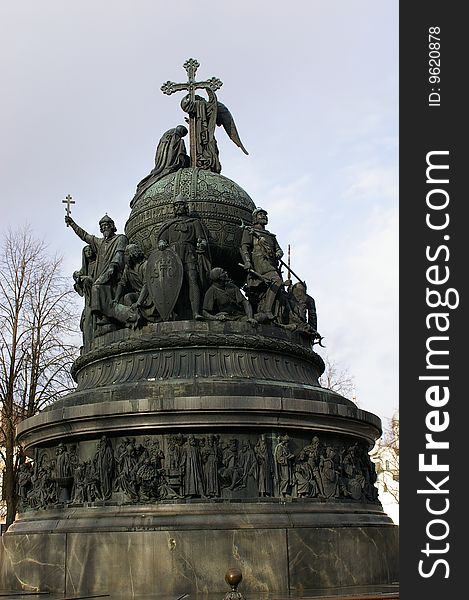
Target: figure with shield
(179, 264)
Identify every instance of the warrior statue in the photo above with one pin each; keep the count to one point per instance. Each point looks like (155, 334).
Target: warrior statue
(261, 253)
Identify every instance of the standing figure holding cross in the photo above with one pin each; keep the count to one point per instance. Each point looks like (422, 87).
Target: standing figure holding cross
(109, 252)
(204, 114)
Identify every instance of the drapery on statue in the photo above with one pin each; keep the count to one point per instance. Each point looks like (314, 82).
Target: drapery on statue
(170, 156)
(224, 301)
(83, 284)
(109, 251)
(104, 465)
(284, 463)
(204, 115)
(302, 313)
(132, 302)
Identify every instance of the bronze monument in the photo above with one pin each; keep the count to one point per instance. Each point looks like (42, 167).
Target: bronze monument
(198, 437)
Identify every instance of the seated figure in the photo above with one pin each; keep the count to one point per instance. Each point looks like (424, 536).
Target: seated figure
(224, 301)
(301, 308)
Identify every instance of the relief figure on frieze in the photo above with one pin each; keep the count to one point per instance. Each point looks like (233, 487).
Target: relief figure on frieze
(91, 482)
(62, 462)
(265, 473)
(79, 483)
(330, 475)
(149, 468)
(211, 459)
(247, 462)
(104, 466)
(284, 464)
(24, 484)
(43, 490)
(314, 453)
(355, 480)
(126, 468)
(305, 483)
(230, 472)
(63, 473)
(369, 472)
(191, 469)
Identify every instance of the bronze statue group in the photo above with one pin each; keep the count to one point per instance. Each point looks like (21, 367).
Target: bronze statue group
(122, 287)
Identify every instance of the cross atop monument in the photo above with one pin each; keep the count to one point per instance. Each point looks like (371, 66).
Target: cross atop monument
(170, 87)
(68, 200)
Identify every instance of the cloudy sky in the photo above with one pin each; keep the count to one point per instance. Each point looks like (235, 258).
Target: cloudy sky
(313, 87)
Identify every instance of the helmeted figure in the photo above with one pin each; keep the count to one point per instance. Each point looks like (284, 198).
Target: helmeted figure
(188, 238)
(261, 253)
(109, 251)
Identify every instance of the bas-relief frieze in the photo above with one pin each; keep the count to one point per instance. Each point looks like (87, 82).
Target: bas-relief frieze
(207, 466)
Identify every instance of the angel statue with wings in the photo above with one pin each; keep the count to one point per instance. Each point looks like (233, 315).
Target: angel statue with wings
(204, 115)
(207, 114)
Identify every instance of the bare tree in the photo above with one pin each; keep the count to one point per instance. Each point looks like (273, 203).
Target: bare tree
(337, 379)
(37, 317)
(386, 456)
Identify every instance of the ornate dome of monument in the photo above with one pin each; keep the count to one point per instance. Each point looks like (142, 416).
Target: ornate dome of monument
(218, 201)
